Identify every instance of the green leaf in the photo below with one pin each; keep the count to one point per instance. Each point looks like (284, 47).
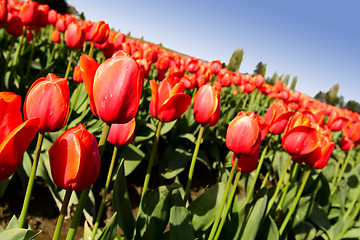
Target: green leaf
(352, 233)
(110, 229)
(133, 157)
(203, 210)
(121, 203)
(87, 231)
(3, 186)
(12, 224)
(166, 127)
(174, 161)
(319, 218)
(180, 220)
(153, 220)
(304, 231)
(269, 230)
(19, 233)
(256, 214)
(303, 209)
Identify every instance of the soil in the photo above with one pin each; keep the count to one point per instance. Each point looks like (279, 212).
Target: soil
(43, 212)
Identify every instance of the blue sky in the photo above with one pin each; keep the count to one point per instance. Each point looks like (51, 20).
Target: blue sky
(318, 41)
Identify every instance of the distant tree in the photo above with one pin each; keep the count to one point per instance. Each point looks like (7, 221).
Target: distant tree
(61, 6)
(286, 80)
(235, 60)
(353, 106)
(293, 83)
(260, 69)
(273, 79)
(331, 97)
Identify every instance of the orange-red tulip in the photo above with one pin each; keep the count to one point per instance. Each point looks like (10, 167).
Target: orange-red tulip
(15, 26)
(168, 100)
(52, 16)
(28, 13)
(75, 159)
(77, 74)
(277, 116)
(243, 134)
(3, 12)
(15, 135)
(207, 105)
(74, 36)
(55, 36)
(48, 99)
(42, 15)
(337, 119)
(122, 134)
(114, 87)
(246, 163)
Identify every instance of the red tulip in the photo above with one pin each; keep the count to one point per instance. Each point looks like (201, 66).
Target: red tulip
(75, 159)
(168, 100)
(15, 26)
(3, 12)
(207, 106)
(337, 119)
(15, 135)
(301, 136)
(114, 87)
(48, 99)
(122, 134)
(352, 130)
(42, 15)
(346, 143)
(52, 16)
(243, 134)
(99, 32)
(28, 13)
(74, 36)
(60, 23)
(55, 36)
(246, 163)
(215, 66)
(77, 74)
(277, 116)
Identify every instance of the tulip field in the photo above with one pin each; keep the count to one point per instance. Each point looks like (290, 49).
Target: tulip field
(129, 140)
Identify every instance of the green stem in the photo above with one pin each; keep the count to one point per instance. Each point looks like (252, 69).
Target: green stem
(102, 204)
(69, 64)
(265, 178)
(149, 168)
(223, 201)
(77, 93)
(21, 40)
(349, 223)
(52, 53)
(291, 178)
(31, 181)
(33, 43)
(350, 209)
(91, 51)
(85, 193)
(193, 161)
(257, 172)
(278, 185)
(50, 32)
(342, 170)
(245, 101)
(296, 200)
(232, 194)
(62, 214)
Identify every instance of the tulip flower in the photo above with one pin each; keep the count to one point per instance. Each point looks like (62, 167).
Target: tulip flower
(77, 74)
(243, 134)
(207, 105)
(246, 163)
(122, 134)
(277, 116)
(15, 135)
(15, 26)
(3, 12)
(168, 100)
(74, 36)
(42, 15)
(301, 136)
(75, 159)
(55, 36)
(48, 99)
(28, 13)
(114, 87)
(337, 119)
(52, 16)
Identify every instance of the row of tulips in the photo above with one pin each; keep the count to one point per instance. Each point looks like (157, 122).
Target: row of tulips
(302, 183)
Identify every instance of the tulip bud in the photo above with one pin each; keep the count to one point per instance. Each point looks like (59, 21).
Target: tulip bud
(48, 99)
(277, 116)
(207, 106)
(75, 159)
(74, 36)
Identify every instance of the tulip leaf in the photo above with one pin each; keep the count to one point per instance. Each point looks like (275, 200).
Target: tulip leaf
(180, 220)
(144, 132)
(269, 230)
(153, 220)
(319, 218)
(121, 203)
(87, 231)
(255, 215)
(13, 223)
(3, 186)
(133, 157)
(110, 229)
(174, 161)
(303, 209)
(352, 233)
(19, 233)
(166, 127)
(204, 208)
(304, 231)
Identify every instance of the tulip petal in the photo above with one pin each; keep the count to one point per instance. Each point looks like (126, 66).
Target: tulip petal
(88, 67)
(14, 146)
(301, 140)
(153, 107)
(174, 107)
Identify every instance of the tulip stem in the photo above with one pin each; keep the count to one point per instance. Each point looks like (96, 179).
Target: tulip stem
(31, 181)
(258, 168)
(342, 170)
(278, 185)
(33, 43)
(69, 64)
(62, 214)
(350, 208)
(149, 168)
(102, 204)
(91, 51)
(52, 53)
(19, 48)
(193, 161)
(291, 178)
(296, 200)
(232, 194)
(85, 193)
(223, 201)
(349, 223)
